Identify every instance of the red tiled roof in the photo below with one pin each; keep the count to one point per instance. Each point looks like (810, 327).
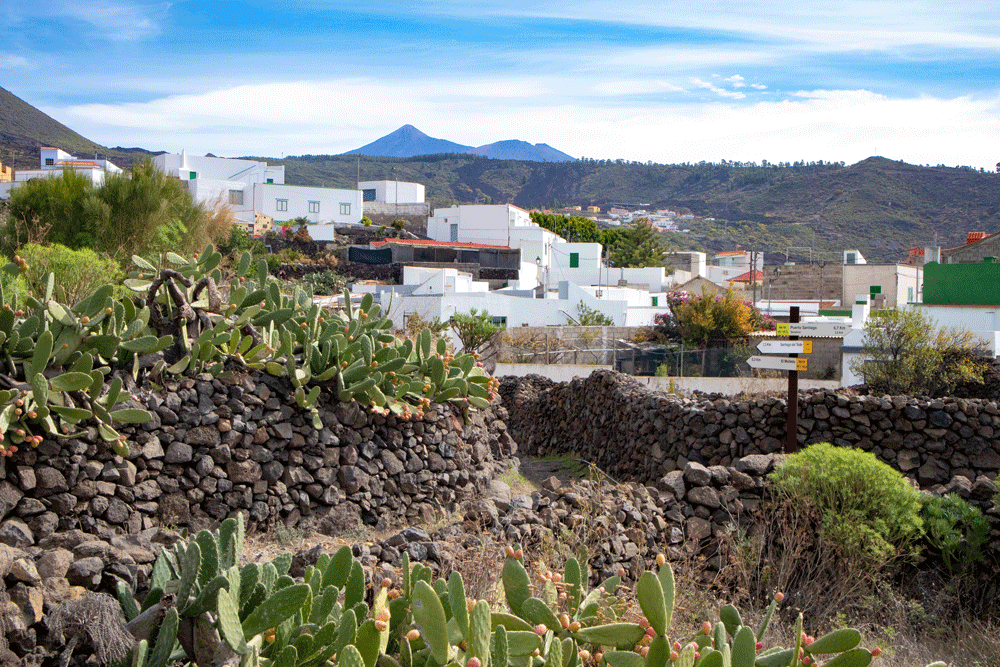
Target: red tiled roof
(87, 163)
(745, 277)
(442, 244)
(728, 253)
(972, 237)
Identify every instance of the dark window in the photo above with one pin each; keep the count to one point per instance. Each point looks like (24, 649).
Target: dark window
(50, 162)
(368, 194)
(574, 261)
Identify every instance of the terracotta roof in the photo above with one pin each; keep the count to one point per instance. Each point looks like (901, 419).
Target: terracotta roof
(972, 237)
(728, 253)
(441, 244)
(745, 277)
(87, 163)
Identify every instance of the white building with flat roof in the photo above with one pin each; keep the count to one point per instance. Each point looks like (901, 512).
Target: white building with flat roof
(252, 187)
(52, 162)
(392, 192)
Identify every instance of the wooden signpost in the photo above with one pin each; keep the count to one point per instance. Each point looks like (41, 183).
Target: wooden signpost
(793, 347)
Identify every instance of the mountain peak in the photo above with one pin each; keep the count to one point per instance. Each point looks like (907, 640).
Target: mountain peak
(408, 141)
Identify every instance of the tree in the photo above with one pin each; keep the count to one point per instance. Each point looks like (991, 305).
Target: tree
(140, 213)
(570, 227)
(474, 329)
(636, 245)
(904, 352)
(709, 320)
(591, 317)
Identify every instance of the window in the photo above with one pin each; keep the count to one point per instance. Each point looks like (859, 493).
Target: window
(656, 301)
(345, 209)
(50, 162)
(368, 194)
(236, 197)
(314, 207)
(909, 294)
(270, 180)
(281, 204)
(192, 175)
(501, 320)
(454, 233)
(574, 261)
(852, 258)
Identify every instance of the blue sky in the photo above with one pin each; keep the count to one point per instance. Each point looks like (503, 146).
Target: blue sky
(633, 79)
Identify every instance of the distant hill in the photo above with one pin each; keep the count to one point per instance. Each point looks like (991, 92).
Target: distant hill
(513, 149)
(24, 129)
(408, 141)
(878, 206)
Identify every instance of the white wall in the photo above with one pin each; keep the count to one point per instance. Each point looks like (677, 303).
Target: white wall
(218, 168)
(265, 199)
(395, 192)
(898, 282)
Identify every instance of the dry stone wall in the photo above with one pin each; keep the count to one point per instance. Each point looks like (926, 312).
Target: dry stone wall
(639, 434)
(214, 448)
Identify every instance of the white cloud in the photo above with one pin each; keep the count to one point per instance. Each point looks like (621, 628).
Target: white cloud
(634, 87)
(758, 86)
(10, 61)
(736, 80)
(721, 92)
(320, 117)
(122, 21)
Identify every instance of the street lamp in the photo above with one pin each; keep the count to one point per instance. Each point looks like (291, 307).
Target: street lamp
(538, 263)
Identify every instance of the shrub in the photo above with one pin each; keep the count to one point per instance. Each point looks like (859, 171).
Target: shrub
(956, 530)
(591, 317)
(325, 283)
(77, 272)
(866, 507)
(904, 352)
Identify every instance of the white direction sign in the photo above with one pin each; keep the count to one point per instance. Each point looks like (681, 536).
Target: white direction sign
(779, 363)
(826, 329)
(785, 346)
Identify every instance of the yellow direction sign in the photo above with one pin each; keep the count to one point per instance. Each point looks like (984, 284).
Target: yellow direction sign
(779, 363)
(786, 346)
(825, 329)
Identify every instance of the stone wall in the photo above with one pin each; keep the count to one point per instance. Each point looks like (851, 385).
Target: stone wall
(637, 434)
(215, 448)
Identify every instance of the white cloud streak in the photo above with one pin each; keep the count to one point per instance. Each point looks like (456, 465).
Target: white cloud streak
(336, 116)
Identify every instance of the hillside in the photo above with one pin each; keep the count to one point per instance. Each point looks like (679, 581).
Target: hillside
(877, 206)
(24, 129)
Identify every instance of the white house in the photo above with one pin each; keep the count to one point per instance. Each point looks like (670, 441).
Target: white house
(250, 186)
(392, 192)
(52, 161)
(442, 293)
(731, 264)
(545, 257)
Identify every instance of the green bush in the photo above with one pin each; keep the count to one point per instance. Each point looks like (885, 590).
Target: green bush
(325, 283)
(866, 507)
(77, 272)
(956, 530)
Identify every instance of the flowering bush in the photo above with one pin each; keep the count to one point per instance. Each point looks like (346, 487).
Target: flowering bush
(710, 319)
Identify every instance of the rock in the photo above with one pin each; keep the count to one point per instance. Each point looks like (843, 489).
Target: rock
(29, 600)
(704, 495)
(54, 563)
(756, 465)
(50, 481)
(23, 569)
(696, 474)
(179, 452)
(908, 460)
(10, 496)
(202, 436)
(933, 472)
(674, 483)
(243, 472)
(352, 479)
(85, 572)
(15, 533)
(698, 529)
(175, 510)
(499, 492)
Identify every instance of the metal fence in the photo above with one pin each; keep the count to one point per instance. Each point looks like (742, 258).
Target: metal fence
(599, 346)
